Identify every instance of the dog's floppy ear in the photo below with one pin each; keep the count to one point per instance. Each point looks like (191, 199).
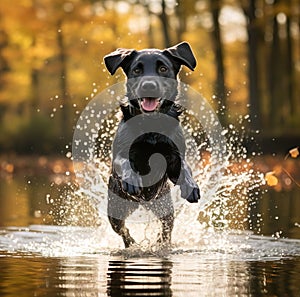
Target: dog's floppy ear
(182, 52)
(118, 58)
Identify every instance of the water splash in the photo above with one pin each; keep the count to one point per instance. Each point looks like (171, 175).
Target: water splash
(228, 196)
(214, 227)
(70, 242)
(210, 230)
(207, 227)
(220, 165)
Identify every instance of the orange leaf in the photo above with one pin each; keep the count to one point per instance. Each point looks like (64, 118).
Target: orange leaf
(271, 179)
(294, 152)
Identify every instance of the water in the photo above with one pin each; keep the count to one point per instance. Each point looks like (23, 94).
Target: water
(84, 261)
(52, 260)
(67, 247)
(147, 277)
(55, 239)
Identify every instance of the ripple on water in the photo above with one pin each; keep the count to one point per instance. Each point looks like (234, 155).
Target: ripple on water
(63, 241)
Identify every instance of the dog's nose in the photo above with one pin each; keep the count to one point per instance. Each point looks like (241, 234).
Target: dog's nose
(149, 86)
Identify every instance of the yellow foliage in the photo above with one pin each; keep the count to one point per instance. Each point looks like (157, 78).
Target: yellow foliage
(271, 179)
(294, 152)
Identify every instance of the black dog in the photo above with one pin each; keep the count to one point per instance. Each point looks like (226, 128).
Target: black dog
(145, 131)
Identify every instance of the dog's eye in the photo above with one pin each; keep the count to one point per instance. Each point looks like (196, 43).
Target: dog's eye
(162, 69)
(137, 70)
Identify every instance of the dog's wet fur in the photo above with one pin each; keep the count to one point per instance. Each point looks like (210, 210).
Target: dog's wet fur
(151, 89)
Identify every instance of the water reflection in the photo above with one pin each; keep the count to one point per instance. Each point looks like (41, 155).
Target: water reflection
(23, 200)
(139, 278)
(275, 278)
(179, 275)
(277, 214)
(19, 277)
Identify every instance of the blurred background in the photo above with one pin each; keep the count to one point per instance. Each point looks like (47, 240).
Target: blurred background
(51, 62)
(51, 66)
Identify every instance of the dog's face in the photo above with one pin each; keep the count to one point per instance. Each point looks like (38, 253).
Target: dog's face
(151, 73)
(151, 80)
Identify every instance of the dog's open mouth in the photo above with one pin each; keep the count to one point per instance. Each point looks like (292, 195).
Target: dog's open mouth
(150, 103)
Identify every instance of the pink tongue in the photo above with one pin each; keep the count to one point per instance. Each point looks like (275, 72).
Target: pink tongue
(149, 104)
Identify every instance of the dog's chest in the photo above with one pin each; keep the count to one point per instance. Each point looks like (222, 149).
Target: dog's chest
(147, 145)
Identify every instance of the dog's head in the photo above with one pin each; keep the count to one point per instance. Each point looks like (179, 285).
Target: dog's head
(151, 73)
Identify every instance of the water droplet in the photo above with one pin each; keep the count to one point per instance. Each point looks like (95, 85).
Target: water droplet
(48, 198)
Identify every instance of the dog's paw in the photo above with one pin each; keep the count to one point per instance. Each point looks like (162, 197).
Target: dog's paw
(131, 189)
(194, 196)
(191, 194)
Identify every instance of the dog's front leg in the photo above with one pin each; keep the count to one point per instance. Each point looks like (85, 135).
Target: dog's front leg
(118, 209)
(188, 187)
(131, 181)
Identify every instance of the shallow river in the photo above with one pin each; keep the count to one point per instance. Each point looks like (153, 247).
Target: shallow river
(258, 255)
(72, 261)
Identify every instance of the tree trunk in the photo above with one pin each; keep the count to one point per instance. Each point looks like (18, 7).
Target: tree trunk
(220, 90)
(34, 89)
(34, 85)
(181, 18)
(63, 81)
(165, 24)
(290, 67)
(4, 67)
(274, 77)
(253, 47)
